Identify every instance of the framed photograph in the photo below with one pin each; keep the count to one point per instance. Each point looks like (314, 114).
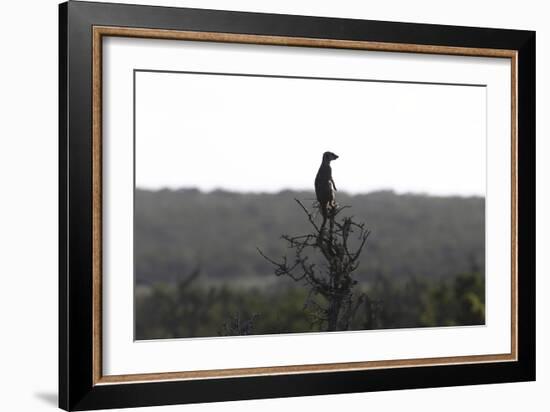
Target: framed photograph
(257, 205)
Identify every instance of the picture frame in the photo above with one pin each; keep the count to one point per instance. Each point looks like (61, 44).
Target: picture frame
(83, 384)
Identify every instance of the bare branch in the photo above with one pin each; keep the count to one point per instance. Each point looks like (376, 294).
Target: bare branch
(334, 279)
(309, 215)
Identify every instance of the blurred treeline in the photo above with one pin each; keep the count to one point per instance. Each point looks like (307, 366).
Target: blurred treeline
(198, 272)
(180, 310)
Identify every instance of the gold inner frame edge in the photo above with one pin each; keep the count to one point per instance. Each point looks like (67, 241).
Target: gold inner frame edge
(98, 32)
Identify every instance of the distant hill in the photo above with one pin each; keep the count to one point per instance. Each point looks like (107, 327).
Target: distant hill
(412, 235)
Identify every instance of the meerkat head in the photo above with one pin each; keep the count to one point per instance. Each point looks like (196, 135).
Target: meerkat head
(329, 156)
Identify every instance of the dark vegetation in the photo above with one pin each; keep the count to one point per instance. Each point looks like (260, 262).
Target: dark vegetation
(199, 273)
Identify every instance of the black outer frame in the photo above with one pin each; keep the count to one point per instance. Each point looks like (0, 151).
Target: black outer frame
(76, 389)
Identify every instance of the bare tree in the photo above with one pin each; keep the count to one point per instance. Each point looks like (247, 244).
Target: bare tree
(325, 260)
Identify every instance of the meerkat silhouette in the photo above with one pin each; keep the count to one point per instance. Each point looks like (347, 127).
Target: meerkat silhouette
(324, 185)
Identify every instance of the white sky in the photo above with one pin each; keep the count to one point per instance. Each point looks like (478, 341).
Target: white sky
(268, 134)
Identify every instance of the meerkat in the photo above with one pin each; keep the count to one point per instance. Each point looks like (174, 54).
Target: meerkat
(324, 185)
